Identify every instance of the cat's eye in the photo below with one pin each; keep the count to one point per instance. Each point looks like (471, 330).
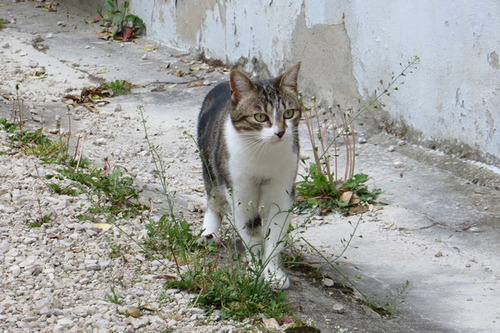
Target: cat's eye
(260, 117)
(288, 114)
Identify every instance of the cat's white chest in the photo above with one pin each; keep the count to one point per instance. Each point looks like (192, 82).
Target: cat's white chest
(255, 155)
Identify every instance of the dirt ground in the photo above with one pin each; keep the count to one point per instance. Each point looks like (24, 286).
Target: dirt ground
(440, 230)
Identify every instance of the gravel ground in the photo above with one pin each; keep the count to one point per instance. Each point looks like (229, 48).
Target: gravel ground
(56, 278)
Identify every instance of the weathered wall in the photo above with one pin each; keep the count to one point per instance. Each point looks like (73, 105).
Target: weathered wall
(346, 47)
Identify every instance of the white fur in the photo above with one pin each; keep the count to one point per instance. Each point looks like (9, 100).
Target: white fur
(263, 169)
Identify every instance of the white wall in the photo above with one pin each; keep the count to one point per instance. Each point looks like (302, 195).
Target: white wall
(455, 92)
(347, 47)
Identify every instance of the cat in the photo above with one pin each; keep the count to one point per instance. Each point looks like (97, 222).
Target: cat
(249, 145)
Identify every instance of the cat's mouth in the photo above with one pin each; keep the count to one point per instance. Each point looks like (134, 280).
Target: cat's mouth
(274, 139)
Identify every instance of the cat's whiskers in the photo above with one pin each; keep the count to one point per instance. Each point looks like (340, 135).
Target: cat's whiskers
(255, 146)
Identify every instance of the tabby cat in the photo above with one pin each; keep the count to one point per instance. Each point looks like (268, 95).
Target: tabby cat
(249, 144)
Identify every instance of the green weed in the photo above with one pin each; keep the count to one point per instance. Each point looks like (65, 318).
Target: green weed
(237, 293)
(37, 223)
(114, 191)
(68, 190)
(119, 87)
(318, 192)
(113, 297)
(8, 126)
(325, 187)
(126, 25)
(3, 23)
(170, 235)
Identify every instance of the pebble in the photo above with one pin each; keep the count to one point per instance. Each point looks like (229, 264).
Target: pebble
(338, 308)
(100, 142)
(15, 270)
(391, 149)
(399, 165)
(362, 140)
(328, 282)
(61, 23)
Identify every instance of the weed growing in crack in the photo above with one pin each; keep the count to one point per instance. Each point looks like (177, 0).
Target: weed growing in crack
(119, 87)
(322, 188)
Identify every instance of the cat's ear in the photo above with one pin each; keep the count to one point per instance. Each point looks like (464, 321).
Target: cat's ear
(289, 78)
(240, 85)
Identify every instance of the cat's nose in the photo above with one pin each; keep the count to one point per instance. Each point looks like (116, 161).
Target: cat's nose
(280, 134)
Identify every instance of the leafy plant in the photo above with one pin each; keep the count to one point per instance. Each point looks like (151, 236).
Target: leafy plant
(171, 236)
(119, 87)
(3, 22)
(238, 294)
(319, 192)
(126, 25)
(8, 126)
(41, 221)
(114, 191)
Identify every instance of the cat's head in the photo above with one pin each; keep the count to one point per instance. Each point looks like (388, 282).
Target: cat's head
(268, 110)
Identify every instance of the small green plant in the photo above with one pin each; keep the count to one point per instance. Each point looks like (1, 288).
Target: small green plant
(387, 307)
(170, 235)
(126, 25)
(8, 126)
(3, 22)
(37, 223)
(236, 292)
(37, 143)
(67, 190)
(317, 191)
(115, 193)
(119, 87)
(113, 297)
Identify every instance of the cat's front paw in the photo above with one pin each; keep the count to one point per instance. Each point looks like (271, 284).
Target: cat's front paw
(277, 279)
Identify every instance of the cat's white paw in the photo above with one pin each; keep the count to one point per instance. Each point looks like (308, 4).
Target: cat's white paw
(211, 224)
(277, 278)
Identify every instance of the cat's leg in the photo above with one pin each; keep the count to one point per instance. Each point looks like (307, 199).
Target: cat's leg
(246, 217)
(277, 216)
(212, 218)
